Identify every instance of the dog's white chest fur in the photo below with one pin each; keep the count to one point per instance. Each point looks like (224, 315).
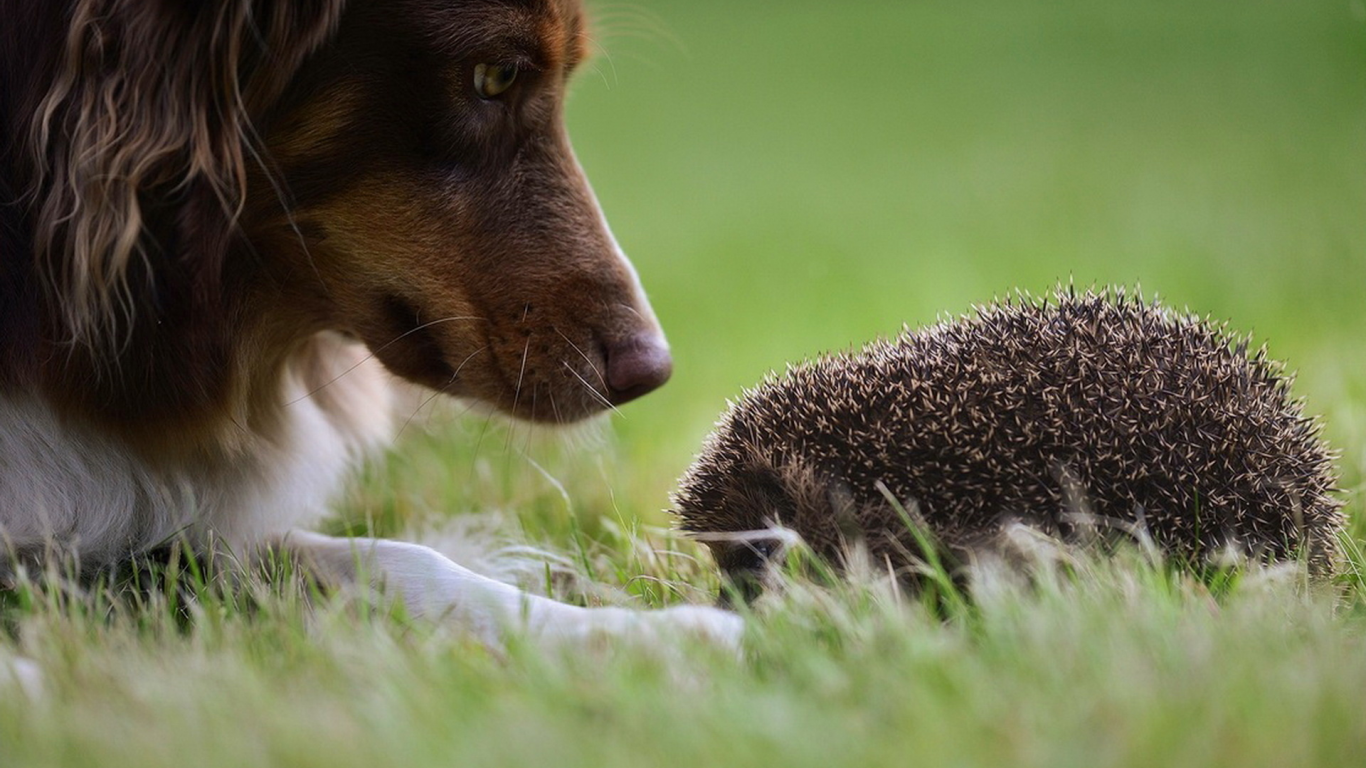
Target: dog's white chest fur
(83, 493)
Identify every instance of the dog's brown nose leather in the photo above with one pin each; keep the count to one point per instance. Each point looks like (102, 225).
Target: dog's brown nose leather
(636, 366)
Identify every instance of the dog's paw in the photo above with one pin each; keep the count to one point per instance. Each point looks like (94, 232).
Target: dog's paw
(24, 674)
(665, 628)
(712, 625)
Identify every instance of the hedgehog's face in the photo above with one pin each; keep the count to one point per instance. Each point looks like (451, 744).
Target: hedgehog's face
(747, 566)
(745, 514)
(750, 505)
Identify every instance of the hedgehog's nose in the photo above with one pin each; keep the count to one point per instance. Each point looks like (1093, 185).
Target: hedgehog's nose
(637, 365)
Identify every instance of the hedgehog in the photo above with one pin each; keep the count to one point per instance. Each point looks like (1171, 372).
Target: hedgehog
(1072, 413)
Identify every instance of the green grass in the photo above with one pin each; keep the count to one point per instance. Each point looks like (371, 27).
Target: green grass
(792, 178)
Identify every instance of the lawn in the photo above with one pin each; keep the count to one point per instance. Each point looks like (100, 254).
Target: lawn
(792, 178)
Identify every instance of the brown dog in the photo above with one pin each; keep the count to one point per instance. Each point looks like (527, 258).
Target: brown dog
(214, 212)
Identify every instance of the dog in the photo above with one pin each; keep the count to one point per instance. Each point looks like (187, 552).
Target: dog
(213, 215)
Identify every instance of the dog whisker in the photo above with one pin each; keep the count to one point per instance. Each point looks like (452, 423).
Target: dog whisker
(425, 402)
(591, 390)
(280, 187)
(616, 80)
(443, 390)
(517, 396)
(521, 375)
(526, 446)
(376, 351)
(631, 310)
(479, 442)
(429, 324)
(625, 24)
(633, 21)
(585, 357)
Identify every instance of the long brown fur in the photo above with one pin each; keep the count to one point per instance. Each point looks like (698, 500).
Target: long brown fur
(144, 100)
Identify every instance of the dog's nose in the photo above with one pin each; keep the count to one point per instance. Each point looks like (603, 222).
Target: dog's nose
(637, 365)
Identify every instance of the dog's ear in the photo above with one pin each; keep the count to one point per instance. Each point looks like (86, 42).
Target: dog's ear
(137, 170)
(287, 31)
(152, 105)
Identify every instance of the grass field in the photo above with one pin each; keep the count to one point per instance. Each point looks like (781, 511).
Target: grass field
(792, 178)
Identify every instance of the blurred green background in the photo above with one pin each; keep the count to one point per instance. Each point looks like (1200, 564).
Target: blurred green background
(795, 177)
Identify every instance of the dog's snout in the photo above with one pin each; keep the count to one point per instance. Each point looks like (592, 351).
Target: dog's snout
(636, 366)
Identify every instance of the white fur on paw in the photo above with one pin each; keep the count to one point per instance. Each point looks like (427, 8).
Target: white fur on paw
(25, 673)
(713, 625)
(666, 628)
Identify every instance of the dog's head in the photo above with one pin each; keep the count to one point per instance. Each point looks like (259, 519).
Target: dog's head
(393, 169)
(439, 213)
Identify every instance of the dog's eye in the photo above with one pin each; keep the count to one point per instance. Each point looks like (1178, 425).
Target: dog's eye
(491, 80)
